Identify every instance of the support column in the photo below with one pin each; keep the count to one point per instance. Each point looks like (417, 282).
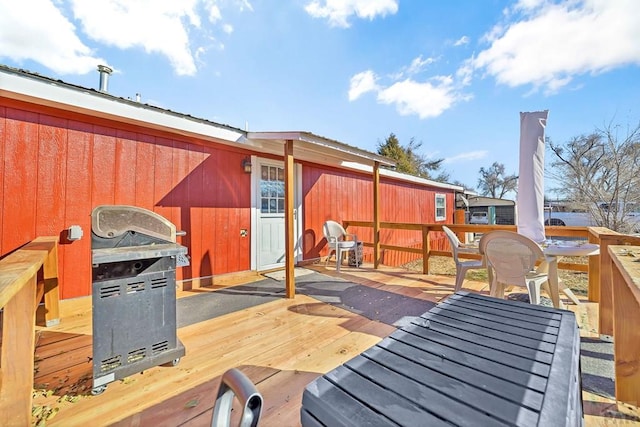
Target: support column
(376, 215)
(290, 283)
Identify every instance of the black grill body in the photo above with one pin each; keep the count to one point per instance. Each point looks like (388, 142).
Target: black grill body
(134, 261)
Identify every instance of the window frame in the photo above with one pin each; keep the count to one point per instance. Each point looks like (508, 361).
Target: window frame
(443, 198)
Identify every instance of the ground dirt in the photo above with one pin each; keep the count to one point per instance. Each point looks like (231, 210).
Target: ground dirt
(577, 281)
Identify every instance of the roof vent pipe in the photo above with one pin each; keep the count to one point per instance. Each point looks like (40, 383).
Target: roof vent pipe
(105, 72)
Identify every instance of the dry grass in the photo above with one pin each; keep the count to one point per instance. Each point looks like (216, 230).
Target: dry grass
(577, 281)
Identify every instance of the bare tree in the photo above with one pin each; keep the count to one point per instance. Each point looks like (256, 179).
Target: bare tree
(495, 183)
(600, 174)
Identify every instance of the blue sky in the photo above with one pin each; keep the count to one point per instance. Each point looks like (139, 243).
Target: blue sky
(454, 75)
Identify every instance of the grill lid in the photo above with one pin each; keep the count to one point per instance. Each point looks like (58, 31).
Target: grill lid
(112, 221)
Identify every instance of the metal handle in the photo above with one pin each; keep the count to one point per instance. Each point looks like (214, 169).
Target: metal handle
(181, 233)
(235, 383)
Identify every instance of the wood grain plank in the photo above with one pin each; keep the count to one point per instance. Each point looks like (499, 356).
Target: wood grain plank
(76, 257)
(103, 166)
(16, 355)
(324, 333)
(3, 133)
(625, 276)
(145, 171)
(125, 167)
(194, 403)
(52, 176)
(163, 163)
(20, 178)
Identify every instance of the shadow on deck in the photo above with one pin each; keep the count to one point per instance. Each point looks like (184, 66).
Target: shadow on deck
(280, 344)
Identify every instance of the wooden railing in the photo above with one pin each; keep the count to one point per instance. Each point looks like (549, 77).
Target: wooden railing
(460, 229)
(26, 277)
(618, 315)
(599, 275)
(625, 275)
(602, 291)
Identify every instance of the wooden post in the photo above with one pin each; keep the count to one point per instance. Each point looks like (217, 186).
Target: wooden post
(605, 297)
(426, 248)
(376, 215)
(290, 283)
(626, 318)
(594, 273)
(17, 356)
(18, 292)
(51, 292)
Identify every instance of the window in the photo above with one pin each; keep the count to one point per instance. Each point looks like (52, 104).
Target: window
(441, 207)
(271, 189)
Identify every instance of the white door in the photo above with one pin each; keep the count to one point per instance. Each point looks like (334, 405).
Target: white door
(269, 238)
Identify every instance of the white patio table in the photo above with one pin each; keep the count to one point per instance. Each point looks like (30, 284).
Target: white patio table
(555, 249)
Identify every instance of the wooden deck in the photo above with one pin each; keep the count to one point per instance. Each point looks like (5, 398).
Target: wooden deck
(281, 345)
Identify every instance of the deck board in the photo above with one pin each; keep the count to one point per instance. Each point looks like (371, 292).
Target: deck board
(282, 346)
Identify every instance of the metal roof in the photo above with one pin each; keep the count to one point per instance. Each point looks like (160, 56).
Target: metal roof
(31, 87)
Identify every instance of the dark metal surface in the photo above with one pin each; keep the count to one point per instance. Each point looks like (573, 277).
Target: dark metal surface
(133, 293)
(471, 360)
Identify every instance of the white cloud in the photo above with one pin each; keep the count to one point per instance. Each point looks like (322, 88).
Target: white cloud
(362, 83)
(468, 156)
(461, 41)
(155, 26)
(419, 64)
(338, 12)
(36, 30)
(165, 27)
(214, 12)
(552, 43)
(425, 99)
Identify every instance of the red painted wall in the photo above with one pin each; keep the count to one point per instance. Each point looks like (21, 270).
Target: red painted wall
(57, 166)
(342, 195)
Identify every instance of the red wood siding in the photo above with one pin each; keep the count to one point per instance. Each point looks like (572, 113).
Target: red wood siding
(57, 166)
(342, 195)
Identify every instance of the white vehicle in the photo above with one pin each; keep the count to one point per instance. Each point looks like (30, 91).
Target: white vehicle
(575, 219)
(586, 219)
(479, 218)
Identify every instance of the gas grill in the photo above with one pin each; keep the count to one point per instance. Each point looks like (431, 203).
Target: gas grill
(134, 261)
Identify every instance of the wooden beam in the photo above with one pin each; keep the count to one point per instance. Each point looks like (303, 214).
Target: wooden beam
(51, 292)
(289, 218)
(376, 215)
(625, 273)
(18, 299)
(605, 297)
(17, 356)
(426, 248)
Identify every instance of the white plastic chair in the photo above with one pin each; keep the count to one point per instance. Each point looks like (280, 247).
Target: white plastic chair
(339, 242)
(461, 266)
(514, 260)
